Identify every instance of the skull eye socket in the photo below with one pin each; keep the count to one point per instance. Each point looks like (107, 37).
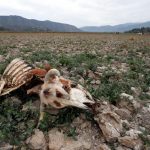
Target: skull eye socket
(66, 88)
(59, 94)
(46, 91)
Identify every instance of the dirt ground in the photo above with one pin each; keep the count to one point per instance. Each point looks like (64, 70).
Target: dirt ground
(112, 67)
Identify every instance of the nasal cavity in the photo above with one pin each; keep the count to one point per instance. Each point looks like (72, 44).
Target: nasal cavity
(46, 91)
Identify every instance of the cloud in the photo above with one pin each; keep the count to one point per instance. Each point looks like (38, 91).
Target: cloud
(79, 12)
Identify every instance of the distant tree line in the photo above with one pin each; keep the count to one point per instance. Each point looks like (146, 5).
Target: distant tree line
(3, 29)
(32, 29)
(140, 30)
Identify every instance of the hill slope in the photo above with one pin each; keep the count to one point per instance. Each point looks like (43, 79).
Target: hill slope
(116, 28)
(17, 23)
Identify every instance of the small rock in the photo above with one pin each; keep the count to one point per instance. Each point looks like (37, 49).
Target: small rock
(136, 104)
(123, 113)
(8, 55)
(148, 137)
(79, 144)
(81, 81)
(93, 53)
(101, 69)
(130, 142)
(141, 76)
(133, 133)
(84, 125)
(37, 141)
(6, 146)
(136, 91)
(142, 128)
(127, 101)
(65, 72)
(110, 124)
(126, 124)
(38, 63)
(127, 96)
(56, 139)
(102, 106)
(99, 74)
(123, 148)
(91, 74)
(104, 147)
(105, 103)
(144, 117)
(78, 120)
(93, 82)
(23, 148)
(15, 52)
(148, 93)
(1, 58)
(124, 68)
(97, 82)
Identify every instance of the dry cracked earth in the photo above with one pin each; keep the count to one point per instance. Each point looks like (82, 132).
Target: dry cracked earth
(114, 68)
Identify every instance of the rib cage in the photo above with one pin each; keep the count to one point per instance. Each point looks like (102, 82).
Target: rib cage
(15, 75)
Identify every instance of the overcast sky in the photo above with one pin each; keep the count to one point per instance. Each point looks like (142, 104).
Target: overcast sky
(80, 12)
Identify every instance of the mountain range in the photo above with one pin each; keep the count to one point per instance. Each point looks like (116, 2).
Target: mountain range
(115, 28)
(20, 24)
